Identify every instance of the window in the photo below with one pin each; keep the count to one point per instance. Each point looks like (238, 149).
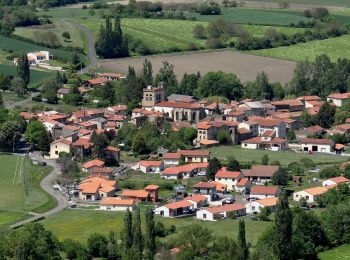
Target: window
(204, 216)
(56, 152)
(245, 144)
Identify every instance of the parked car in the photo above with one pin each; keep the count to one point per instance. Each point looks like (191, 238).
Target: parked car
(229, 200)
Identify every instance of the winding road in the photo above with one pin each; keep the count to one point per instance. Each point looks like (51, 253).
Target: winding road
(47, 185)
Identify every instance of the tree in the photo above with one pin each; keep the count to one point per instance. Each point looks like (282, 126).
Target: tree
(35, 131)
(69, 168)
(128, 238)
(302, 78)
(4, 82)
(213, 166)
(325, 116)
(281, 177)
(188, 134)
(147, 72)
(233, 164)
(137, 234)
(283, 229)
(97, 245)
(219, 84)
(307, 119)
(243, 250)
(223, 136)
(74, 250)
(23, 71)
(291, 135)
(49, 90)
(112, 246)
(265, 159)
(139, 145)
(18, 86)
(264, 214)
(167, 77)
(66, 36)
(10, 134)
(189, 84)
(342, 113)
(1, 101)
(44, 143)
(199, 32)
(150, 243)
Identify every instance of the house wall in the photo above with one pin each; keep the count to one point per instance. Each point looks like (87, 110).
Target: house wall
(56, 148)
(328, 183)
(83, 196)
(302, 194)
(170, 162)
(320, 148)
(262, 196)
(249, 146)
(117, 207)
(205, 215)
(162, 211)
(170, 177)
(231, 183)
(337, 102)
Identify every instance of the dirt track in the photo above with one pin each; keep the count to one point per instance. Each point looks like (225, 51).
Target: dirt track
(245, 66)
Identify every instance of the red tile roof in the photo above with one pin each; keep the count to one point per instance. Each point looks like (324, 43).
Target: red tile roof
(151, 187)
(243, 182)
(261, 171)
(340, 179)
(205, 185)
(93, 163)
(142, 194)
(317, 141)
(174, 104)
(224, 173)
(197, 198)
(179, 204)
(225, 208)
(98, 81)
(261, 190)
(117, 201)
(150, 163)
(339, 95)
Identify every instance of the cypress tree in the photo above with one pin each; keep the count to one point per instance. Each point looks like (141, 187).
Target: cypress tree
(283, 229)
(1, 100)
(23, 71)
(44, 143)
(243, 251)
(137, 234)
(127, 231)
(150, 242)
(147, 72)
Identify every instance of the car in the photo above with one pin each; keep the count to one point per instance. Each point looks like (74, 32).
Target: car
(42, 164)
(73, 206)
(315, 171)
(229, 200)
(201, 174)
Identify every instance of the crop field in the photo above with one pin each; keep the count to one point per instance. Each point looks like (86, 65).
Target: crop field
(334, 47)
(36, 76)
(338, 253)
(73, 13)
(79, 224)
(17, 46)
(314, 2)
(15, 201)
(58, 27)
(248, 155)
(256, 16)
(245, 66)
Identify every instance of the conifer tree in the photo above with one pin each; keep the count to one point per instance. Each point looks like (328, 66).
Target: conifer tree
(150, 243)
(147, 72)
(128, 241)
(1, 101)
(23, 71)
(137, 234)
(242, 243)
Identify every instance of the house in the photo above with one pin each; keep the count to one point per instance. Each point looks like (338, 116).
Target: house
(35, 57)
(91, 165)
(153, 191)
(117, 204)
(310, 195)
(152, 96)
(339, 99)
(256, 206)
(335, 181)
(171, 159)
(95, 188)
(103, 172)
(82, 147)
(148, 166)
(198, 201)
(220, 212)
(290, 105)
(111, 76)
(194, 156)
(180, 111)
(62, 92)
(175, 209)
(235, 116)
(220, 187)
(257, 108)
(60, 146)
(311, 145)
(204, 188)
(113, 153)
(244, 185)
(264, 124)
(265, 143)
(260, 173)
(138, 115)
(261, 192)
(184, 171)
(207, 130)
(229, 178)
(137, 195)
(97, 82)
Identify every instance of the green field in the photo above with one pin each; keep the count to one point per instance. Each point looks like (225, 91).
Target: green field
(163, 34)
(338, 253)
(315, 2)
(72, 13)
(36, 76)
(256, 16)
(16, 198)
(248, 155)
(334, 47)
(79, 224)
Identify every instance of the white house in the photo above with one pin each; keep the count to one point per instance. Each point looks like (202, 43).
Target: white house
(215, 213)
(310, 195)
(256, 206)
(148, 166)
(230, 178)
(198, 201)
(317, 145)
(175, 209)
(335, 181)
(171, 159)
(339, 99)
(261, 192)
(117, 204)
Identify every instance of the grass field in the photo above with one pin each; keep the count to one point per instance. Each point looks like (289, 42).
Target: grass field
(36, 76)
(79, 224)
(163, 34)
(315, 2)
(338, 253)
(248, 155)
(58, 27)
(256, 16)
(334, 47)
(15, 201)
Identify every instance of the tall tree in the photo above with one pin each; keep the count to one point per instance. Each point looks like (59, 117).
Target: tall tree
(243, 250)
(150, 236)
(35, 132)
(302, 78)
(325, 116)
(18, 86)
(128, 239)
(1, 101)
(213, 167)
(100, 142)
(23, 71)
(137, 234)
(167, 77)
(233, 164)
(189, 84)
(4, 82)
(147, 72)
(44, 143)
(265, 159)
(283, 229)
(112, 246)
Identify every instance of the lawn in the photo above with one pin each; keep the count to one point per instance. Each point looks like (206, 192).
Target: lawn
(163, 34)
(79, 224)
(248, 155)
(58, 27)
(334, 47)
(17, 198)
(36, 76)
(338, 253)
(257, 16)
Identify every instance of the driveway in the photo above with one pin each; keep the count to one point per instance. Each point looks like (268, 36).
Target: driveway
(46, 184)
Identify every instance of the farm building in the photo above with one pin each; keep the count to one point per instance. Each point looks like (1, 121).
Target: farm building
(310, 195)
(335, 181)
(261, 192)
(311, 145)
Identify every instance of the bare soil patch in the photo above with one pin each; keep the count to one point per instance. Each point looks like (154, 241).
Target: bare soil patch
(245, 66)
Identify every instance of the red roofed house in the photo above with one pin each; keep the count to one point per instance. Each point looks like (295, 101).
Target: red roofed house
(112, 76)
(220, 212)
(205, 188)
(264, 124)
(335, 181)
(260, 173)
(180, 111)
(137, 195)
(198, 200)
(184, 171)
(103, 172)
(189, 156)
(117, 204)
(91, 165)
(58, 146)
(95, 82)
(153, 191)
(311, 145)
(171, 159)
(230, 178)
(175, 209)
(267, 141)
(261, 192)
(95, 188)
(148, 166)
(82, 147)
(256, 206)
(244, 185)
(339, 99)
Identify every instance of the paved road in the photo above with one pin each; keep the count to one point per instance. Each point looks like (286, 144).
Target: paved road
(91, 47)
(22, 102)
(46, 184)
